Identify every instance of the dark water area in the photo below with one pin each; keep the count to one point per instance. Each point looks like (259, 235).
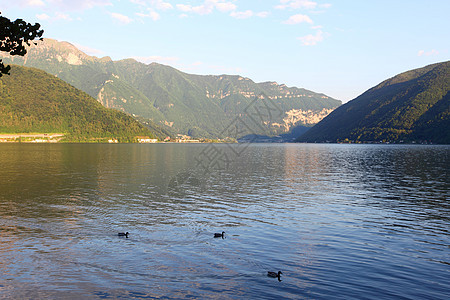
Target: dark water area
(340, 221)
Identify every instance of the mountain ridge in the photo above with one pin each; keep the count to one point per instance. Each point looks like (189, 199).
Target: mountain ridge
(197, 105)
(411, 106)
(33, 101)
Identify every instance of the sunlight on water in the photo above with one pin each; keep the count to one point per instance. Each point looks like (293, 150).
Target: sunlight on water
(340, 221)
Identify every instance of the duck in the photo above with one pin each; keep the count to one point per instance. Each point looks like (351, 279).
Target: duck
(275, 275)
(123, 234)
(217, 235)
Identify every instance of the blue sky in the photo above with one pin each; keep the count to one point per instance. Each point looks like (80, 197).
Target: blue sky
(340, 48)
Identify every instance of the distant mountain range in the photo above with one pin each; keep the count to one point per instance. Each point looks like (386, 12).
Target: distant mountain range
(198, 106)
(411, 107)
(33, 101)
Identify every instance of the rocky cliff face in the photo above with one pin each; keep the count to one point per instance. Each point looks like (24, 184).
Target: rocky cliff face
(185, 103)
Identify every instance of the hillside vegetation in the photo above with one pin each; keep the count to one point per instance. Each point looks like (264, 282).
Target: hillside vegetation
(32, 100)
(195, 105)
(412, 106)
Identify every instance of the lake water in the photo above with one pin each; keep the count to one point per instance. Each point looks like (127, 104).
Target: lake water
(340, 221)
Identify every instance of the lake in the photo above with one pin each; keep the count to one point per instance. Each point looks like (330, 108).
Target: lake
(340, 221)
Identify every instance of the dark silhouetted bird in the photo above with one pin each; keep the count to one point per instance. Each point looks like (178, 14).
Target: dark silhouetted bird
(275, 275)
(217, 235)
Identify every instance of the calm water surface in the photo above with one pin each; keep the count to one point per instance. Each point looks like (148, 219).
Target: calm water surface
(340, 221)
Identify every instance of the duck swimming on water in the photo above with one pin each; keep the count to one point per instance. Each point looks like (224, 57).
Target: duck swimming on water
(275, 275)
(217, 235)
(125, 234)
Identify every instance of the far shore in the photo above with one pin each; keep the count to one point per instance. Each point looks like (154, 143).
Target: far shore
(31, 137)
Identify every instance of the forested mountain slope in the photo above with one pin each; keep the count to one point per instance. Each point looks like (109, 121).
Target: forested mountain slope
(412, 106)
(32, 100)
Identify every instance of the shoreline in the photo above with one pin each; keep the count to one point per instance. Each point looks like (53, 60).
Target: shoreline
(31, 137)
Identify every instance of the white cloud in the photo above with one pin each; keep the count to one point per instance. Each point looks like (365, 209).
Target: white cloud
(121, 18)
(262, 14)
(299, 18)
(427, 53)
(151, 14)
(42, 17)
(156, 4)
(242, 14)
(326, 5)
(296, 4)
(34, 3)
(161, 5)
(226, 6)
(61, 5)
(203, 9)
(62, 16)
(138, 2)
(56, 17)
(79, 4)
(154, 15)
(184, 7)
(311, 40)
(208, 7)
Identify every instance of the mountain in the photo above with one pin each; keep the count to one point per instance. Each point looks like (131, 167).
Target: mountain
(33, 101)
(412, 106)
(195, 105)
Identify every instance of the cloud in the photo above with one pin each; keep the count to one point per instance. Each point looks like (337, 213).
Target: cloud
(62, 16)
(161, 5)
(427, 53)
(121, 18)
(56, 17)
(208, 7)
(226, 6)
(242, 14)
(34, 3)
(23, 3)
(311, 40)
(61, 5)
(151, 14)
(299, 18)
(262, 14)
(296, 4)
(204, 9)
(184, 7)
(42, 17)
(326, 5)
(156, 4)
(79, 5)
(139, 2)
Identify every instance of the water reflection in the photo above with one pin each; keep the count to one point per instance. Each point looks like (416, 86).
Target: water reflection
(347, 220)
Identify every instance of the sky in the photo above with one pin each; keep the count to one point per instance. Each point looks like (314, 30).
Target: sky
(339, 48)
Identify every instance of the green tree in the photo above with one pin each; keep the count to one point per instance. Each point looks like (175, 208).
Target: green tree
(13, 37)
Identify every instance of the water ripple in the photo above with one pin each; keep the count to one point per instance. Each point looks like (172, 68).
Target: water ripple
(340, 221)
